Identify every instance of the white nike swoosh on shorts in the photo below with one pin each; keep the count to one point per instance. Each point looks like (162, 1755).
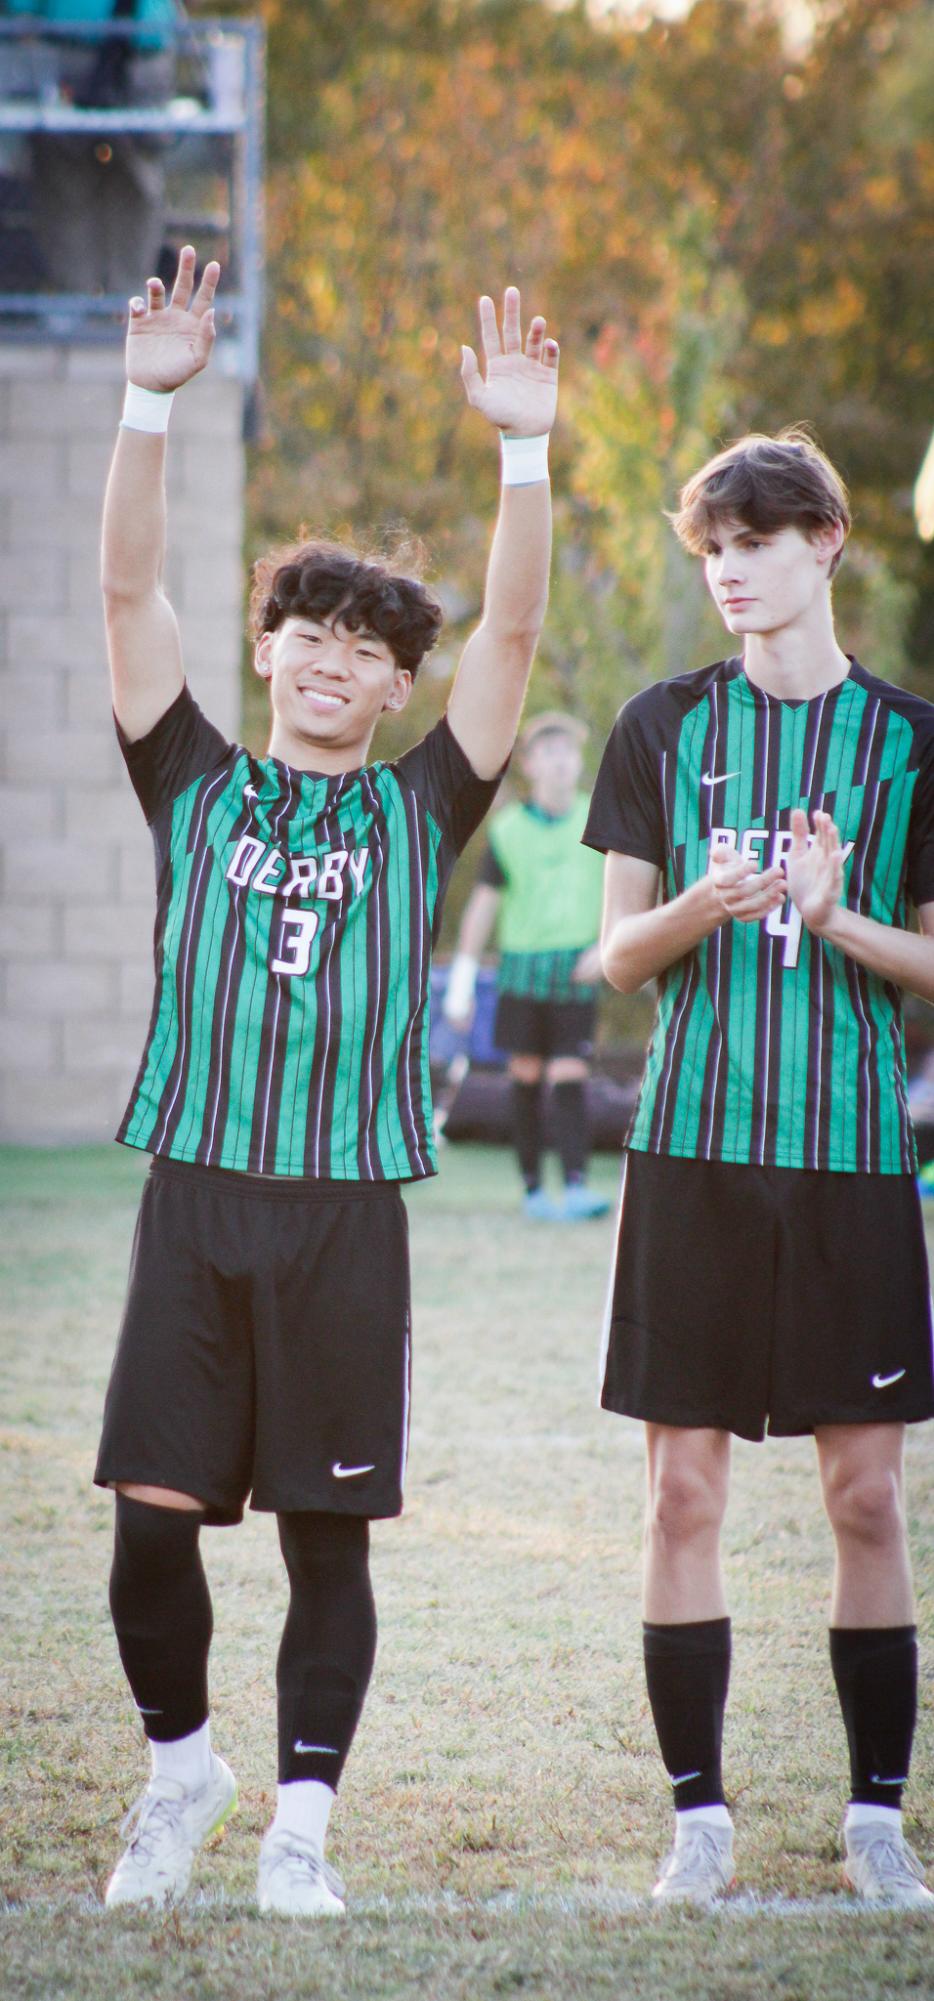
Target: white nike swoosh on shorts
(884, 1382)
(350, 1472)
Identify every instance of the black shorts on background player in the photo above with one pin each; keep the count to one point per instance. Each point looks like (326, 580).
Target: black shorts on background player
(529, 1027)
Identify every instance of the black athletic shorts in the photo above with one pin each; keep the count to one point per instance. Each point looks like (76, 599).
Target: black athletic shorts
(767, 1298)
(265, 1345)
(546, 1028)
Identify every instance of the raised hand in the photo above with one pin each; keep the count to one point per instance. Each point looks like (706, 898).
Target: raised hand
(815, 869)
(167, 344)
(519, 392)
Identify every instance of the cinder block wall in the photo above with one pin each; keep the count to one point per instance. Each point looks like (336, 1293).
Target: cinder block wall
(76, 863)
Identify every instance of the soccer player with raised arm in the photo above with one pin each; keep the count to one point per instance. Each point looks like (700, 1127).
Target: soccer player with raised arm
(283, 1091)
(768, 823)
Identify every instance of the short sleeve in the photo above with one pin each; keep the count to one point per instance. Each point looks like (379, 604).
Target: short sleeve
(181, 747)
(441, 775)
(920, 856)
(490, 872)
(626, 812)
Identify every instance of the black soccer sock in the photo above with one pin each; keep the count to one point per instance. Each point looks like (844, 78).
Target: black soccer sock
(161, 1609)
(876, 1672)
(569, 1100)
(527, 1131)
(687, 1672)
(328, 1643)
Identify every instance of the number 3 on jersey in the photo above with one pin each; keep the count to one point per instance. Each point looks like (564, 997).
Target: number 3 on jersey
(299, 928)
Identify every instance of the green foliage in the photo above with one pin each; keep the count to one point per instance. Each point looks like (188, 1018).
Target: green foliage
(724, 234)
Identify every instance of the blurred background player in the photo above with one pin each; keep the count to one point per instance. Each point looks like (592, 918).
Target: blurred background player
(543, 891)
(767, 823)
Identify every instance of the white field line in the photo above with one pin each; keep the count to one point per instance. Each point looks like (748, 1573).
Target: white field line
(578, 1904)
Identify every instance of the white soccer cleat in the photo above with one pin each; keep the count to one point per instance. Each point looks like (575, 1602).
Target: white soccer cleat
(699, 1868)
(882, 1868)
(294, 1879)
(166, 1824)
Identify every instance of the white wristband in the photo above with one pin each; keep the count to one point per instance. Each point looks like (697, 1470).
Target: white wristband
(146, 409)
(524, 460)
(461, 982)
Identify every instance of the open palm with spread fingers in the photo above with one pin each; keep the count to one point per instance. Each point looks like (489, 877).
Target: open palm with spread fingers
(815, 868)
(167, 344)
(519, 392)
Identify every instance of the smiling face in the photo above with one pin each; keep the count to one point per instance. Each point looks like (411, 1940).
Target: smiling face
(765, 583)
(328, 687)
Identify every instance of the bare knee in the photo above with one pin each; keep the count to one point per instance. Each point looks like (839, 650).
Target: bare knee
(567, 1070)
(865, 1505)
(526, 1069)
(686, 1502)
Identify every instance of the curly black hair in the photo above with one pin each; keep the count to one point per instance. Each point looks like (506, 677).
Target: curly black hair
(317, 579)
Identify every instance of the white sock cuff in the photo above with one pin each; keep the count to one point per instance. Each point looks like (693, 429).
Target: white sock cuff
(859, 1813)
(303, 1807)
(692, 1816)
(187, 1759)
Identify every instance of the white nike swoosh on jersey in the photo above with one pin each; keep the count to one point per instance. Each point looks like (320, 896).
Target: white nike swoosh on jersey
(327, 1748)
(349, 1472)
(685, 1776)
(882, 1382)
(249, 792)
(711, 778)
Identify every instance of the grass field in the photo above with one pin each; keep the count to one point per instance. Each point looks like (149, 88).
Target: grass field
(504, 1804)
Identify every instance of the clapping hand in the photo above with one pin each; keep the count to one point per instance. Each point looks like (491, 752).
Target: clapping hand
(815, 869)
(743, 890)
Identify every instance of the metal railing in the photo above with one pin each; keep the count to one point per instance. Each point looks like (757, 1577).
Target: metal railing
(190, 99)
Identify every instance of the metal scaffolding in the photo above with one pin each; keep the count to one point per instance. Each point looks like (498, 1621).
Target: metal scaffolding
(205, 131)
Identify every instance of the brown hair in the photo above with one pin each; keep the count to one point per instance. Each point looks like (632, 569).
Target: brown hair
(316, 579)
(767, 484)
(552, 722)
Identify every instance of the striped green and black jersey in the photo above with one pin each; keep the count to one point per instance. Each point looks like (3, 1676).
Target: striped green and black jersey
(294, 924)
(552, 891)
(771, 1046)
